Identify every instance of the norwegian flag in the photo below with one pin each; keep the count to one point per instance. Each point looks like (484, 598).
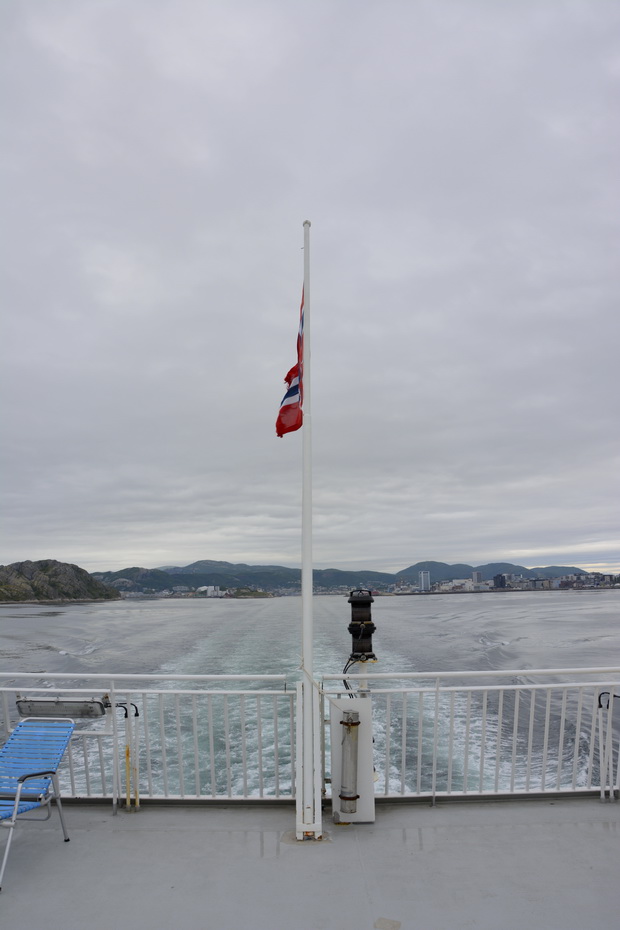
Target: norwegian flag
(290, 416)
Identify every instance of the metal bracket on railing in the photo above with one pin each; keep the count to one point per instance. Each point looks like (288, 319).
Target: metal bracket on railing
(125, 705)
(609, 696)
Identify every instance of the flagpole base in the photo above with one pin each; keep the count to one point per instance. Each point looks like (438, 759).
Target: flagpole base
(308, 767)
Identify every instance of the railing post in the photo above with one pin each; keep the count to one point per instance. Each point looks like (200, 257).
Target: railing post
(5, 712)
(435, 745)
(115, 759)
(606, 764)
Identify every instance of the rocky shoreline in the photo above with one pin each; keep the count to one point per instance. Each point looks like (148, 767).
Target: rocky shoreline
(48, 581)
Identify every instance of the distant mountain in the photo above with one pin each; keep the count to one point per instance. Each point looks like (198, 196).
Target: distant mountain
(229, 575)
(49, 580)
(441, 571)
(223, 574)
(137, 579)
(279, 578)
(208, 565)
(334, 578)
(491, 569)
(555, 571)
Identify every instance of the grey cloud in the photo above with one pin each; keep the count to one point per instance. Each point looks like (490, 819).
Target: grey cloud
(458, 163)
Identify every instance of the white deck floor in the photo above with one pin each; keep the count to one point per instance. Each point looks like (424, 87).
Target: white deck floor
(515, 865)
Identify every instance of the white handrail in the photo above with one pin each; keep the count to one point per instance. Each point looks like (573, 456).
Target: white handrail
(233, 737)
(481, 673)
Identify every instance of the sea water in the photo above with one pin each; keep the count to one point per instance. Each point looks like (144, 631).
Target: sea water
(520, 630)
(435, 633)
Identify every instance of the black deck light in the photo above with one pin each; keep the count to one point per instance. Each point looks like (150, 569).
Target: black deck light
(361, 627)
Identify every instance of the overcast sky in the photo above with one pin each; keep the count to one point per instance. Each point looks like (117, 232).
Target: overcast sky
(459, 163)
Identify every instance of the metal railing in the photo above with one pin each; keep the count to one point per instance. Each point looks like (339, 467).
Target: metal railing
(457, 734)
(209, 737)
(474, 734)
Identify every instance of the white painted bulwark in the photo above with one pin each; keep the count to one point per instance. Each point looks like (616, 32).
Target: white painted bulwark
(365, 787)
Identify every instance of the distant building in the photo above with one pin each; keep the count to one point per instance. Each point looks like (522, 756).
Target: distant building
(499, 581)
(209, 590)
(476, 577)
(425, 581)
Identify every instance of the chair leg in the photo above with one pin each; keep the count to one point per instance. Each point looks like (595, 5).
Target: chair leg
(59, 806)
(10, 826)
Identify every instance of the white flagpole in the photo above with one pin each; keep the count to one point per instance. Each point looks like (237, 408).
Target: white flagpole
(306, 501)
(309, 779)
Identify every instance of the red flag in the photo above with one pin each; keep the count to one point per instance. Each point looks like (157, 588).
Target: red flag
(290, 416)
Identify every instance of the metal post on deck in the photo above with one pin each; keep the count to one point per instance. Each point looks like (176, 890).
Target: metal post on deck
(308, 791)
(352, 772)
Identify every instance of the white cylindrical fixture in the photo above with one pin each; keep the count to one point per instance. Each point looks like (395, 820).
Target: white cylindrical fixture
(348, 780)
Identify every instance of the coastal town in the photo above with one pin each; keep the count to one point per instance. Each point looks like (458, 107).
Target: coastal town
(472, 585)
(507, 582)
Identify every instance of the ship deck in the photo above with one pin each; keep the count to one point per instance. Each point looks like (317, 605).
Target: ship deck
(500, 865)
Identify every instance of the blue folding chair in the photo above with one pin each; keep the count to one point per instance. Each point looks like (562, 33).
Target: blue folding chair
(29, 761)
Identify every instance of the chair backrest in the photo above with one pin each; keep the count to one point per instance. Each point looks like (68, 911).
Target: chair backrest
(35, 745)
